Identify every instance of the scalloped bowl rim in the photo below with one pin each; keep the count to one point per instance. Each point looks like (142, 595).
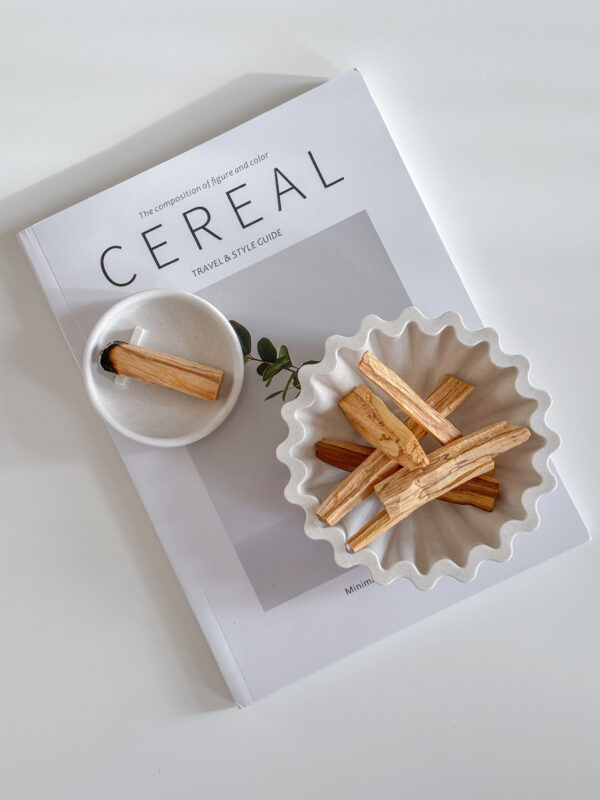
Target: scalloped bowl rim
(366, 557)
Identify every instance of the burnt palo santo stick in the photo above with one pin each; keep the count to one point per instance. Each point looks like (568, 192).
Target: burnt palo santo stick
(480, 492)
(357, 486)
(162, 369)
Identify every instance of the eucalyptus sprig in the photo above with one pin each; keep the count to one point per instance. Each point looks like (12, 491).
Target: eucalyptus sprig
(270, 361)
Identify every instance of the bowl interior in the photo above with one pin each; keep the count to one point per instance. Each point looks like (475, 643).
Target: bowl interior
(180, 324)
(438, 530)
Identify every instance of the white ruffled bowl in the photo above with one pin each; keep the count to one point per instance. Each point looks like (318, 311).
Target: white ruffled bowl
(439, 538)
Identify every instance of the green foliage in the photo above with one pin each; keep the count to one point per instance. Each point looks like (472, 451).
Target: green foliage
(272, 370)
(266, 349)
(283, 353)
(243, 335)
(271, 361)
(287, 386)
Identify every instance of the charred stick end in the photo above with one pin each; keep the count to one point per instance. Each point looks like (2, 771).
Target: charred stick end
(106, 360)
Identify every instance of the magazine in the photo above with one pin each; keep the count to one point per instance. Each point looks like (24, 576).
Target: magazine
(297, 224)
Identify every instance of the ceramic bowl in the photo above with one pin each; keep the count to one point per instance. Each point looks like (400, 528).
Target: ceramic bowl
(439, 538)
(175, 322)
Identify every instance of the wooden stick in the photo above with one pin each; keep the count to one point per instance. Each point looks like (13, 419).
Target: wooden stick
(480, 492)
(373, 420)
(400, 503)
(356, 486)
(446, 396)
(448, 467)
(382, 522)
(162, 369)
(375, 527)
(403, 493)
(343, 455)
(407, 399)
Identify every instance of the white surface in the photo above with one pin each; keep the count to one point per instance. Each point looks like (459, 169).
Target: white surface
(108, 688)
(459, 539)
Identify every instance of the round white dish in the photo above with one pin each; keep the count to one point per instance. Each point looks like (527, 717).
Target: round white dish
(174, 322)
(440, 538)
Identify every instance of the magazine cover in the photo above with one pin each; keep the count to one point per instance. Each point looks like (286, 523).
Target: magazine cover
(297, 224)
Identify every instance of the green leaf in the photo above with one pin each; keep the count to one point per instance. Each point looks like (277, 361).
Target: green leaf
(261, 368)
(273, 394)
(296, 380)
(283, 354)
(243, 335)
(304, 363)
(272, 370)
(287, 386)
(266, 349)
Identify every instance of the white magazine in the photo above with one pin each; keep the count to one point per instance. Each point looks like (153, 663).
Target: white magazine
(297, 224)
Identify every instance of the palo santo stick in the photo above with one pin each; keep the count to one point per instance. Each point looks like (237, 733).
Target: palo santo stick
(375, 527)
(448, 461)
(407, 399)
(480, 492)
(448, 467)
(372, 419)
(356, 486)
(446, 396)
(162, 369)
(343, 455)
(408, 490)
(382, 522)
(399, 504)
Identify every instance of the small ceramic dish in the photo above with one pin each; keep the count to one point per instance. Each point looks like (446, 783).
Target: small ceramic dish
(174, 322)
(439, 538)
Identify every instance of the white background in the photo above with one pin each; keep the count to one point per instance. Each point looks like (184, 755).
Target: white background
(107, 687)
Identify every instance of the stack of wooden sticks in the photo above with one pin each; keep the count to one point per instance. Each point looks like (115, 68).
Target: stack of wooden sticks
(396, 467)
